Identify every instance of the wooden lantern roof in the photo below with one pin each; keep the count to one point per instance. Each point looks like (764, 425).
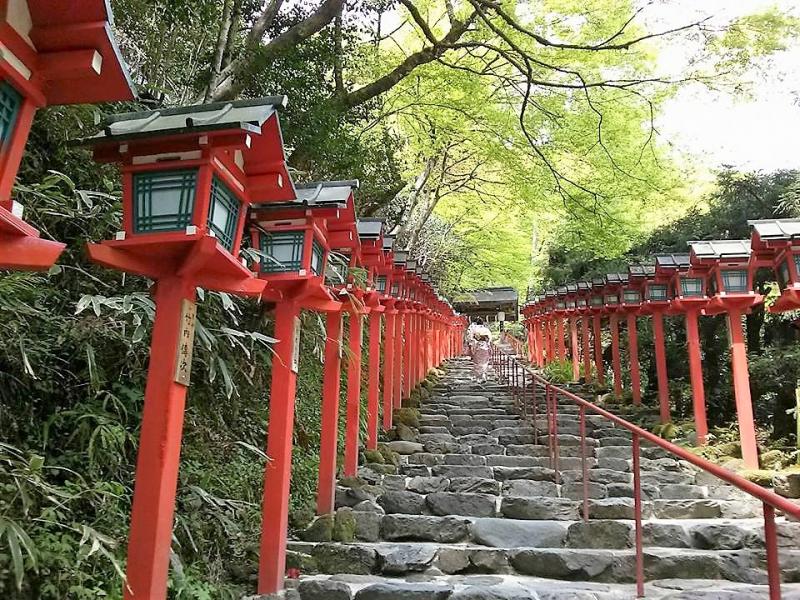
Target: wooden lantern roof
(670, 263)
(720, 250)
(67, 48)
(767, 230)
(249, 127)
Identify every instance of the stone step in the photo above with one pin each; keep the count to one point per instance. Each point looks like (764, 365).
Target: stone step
(432, 585)
(600, 565)
(702, 534)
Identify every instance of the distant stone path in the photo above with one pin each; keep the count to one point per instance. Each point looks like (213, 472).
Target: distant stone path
(474, 512)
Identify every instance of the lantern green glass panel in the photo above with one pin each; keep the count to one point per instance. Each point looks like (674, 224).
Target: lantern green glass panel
(657, 292)
(612, 299)
(796, 263)
(223, 213)
(581, 302)
(380, 283)
(163, 200)
(10, 103)
(283, 250)
(631, 297)
(734, 280)
(395, 288)
(317, 258)
(691, 287)
(597, 301)
(783, 274)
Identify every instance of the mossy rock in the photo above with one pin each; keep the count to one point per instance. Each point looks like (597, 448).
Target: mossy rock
(404, 433)
(352, 482)
(384, 469)
(389, 457)
(729, 449)
(773, 459)
(407, 416)
(320, 530)
(427, 384)
(424, 393)
(305, 563)
(301, 516)
(762, 477)
(412, 402)
(373, 456)
(344, 525)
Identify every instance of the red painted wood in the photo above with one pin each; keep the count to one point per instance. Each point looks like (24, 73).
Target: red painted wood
(28, 253)
(11, 154)
(575, 352)
(351, 439)
(275, 510)
(560, 350)
(696, 375)
(741, 390)
(157, 462)
(398, 369)
(613, 322)
(661, 366)
(598, 350)
(329, 430)
(587, 355)
(633, 357)
(373, 385)
(388, 368)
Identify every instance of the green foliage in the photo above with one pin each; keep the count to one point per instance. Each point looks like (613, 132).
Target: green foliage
(558, 371)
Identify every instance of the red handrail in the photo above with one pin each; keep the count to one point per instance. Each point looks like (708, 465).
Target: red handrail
(770, 500)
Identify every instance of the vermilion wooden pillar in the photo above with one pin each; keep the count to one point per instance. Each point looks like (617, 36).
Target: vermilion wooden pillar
(388, 365)
(741, 389)
(575, 351)
(613, 322)
(696, 375)
(661, 366)
(598, 350)
(587, 355)
(353, 395)
(159, 448)
(399, 362)
(374, 373)
(408, 353)
(329, 431)
(560, 350)
(549, 325)
(275, 510)
(633, 355)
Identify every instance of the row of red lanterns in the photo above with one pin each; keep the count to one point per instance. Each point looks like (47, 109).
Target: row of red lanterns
(715, 277)
(195, 179)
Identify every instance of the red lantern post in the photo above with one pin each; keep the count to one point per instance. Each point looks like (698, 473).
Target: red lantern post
(656, 304)
(187, 184)
(596, 308)
(689, 297)
(730, 290)
(582, 307)
(611, 303)
(293, 236)
(631, 305)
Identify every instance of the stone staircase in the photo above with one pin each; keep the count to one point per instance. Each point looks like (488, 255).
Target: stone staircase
(475, 511)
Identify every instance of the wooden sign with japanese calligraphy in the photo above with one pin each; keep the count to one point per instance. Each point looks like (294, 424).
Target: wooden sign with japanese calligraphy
(296, 346)
(183, 360)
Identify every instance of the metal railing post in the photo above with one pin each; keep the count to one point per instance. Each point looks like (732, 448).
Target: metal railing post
(773, 562)
(584, 466)
(637, 513)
